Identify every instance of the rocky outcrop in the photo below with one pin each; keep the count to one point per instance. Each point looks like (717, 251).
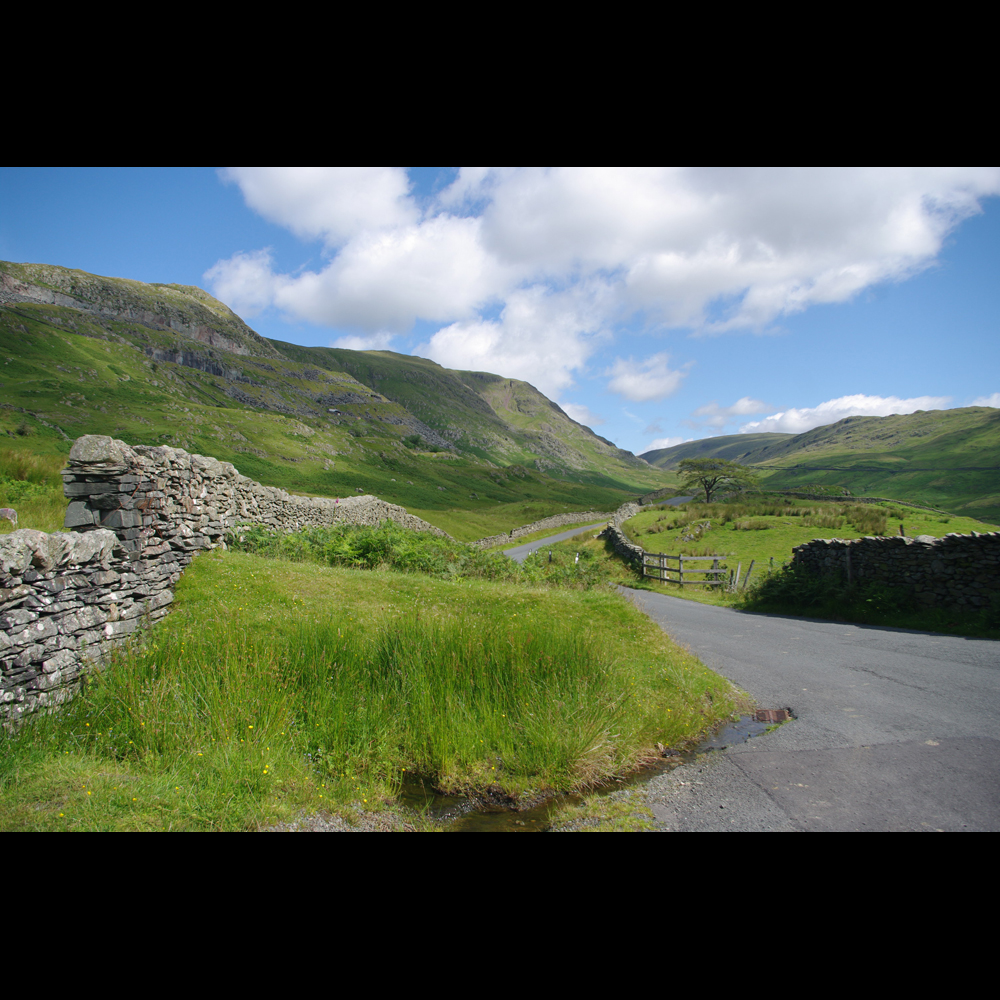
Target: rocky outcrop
(182, 309)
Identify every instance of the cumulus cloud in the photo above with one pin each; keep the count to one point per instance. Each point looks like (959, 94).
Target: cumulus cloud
(329, 203)
(245, 282)
(372, 342)
(709, 249)
(539, 337)
(581, 414)
(797, 421)
(713, 415)
(641, 381)
(992, 400)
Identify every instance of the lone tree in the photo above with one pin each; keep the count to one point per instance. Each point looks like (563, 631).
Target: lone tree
(714, 474)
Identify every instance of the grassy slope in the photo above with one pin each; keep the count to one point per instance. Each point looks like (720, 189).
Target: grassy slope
(58, 383)
(943, 458)
(109, 366)
(732, 447)
(183, 309)
(505, 421)
(776, 541)
(265, 692)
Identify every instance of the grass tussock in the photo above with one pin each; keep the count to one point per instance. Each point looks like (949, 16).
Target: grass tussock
(276, 687)
(31, 485)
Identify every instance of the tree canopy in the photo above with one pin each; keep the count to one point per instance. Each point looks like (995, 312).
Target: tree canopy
(714, 474)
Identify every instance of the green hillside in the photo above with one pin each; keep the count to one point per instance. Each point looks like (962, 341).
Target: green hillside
(732, 447)
(943, 458)
(500, 420)
(168, 364)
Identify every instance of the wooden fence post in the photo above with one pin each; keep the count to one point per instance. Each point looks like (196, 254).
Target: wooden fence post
(746, 579)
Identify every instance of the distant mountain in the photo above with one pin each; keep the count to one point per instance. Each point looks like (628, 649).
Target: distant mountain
(498, 419)
(732, 447)
(945, 458)
(160, 363)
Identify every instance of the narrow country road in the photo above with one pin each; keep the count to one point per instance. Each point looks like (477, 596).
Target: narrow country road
(893, 729)
(521, 552)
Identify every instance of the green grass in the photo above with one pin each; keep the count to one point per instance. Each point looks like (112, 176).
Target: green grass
(64, 373)
(762, 532)
(31, 485)
(741, 533)
(943, 458)
(275, 687)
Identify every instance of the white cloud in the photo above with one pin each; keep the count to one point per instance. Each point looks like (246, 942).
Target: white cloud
(713, 415)
(245, 282)
(993, 400)
(667, 442)
(372, 342)
(539, 338)
(797, 421)
(581, 414)
(711, 249)
(329, 203)
(644, 380)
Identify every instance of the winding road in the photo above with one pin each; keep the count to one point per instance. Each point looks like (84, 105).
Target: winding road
(521, 552)
(893, 729)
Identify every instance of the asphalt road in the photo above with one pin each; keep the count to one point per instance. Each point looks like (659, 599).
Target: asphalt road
(893, 729)
(521, 552)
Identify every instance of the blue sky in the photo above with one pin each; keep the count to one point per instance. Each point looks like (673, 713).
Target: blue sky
(657, 305)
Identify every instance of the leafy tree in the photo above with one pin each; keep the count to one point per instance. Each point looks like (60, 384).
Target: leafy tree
(714, 474)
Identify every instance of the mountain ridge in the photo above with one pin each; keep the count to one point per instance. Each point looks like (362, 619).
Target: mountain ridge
(946, 458)
(160, 363)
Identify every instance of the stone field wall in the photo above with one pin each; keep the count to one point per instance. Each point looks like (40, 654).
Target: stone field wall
(138, 516)
(628, 551)
(957, 571)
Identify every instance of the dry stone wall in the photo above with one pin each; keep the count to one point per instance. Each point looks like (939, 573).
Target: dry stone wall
(138, 516)
(628, 551)
(957, 571)
(65, 599)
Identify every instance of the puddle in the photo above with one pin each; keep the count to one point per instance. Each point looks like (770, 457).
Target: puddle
(462, 815)
(734, 732)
